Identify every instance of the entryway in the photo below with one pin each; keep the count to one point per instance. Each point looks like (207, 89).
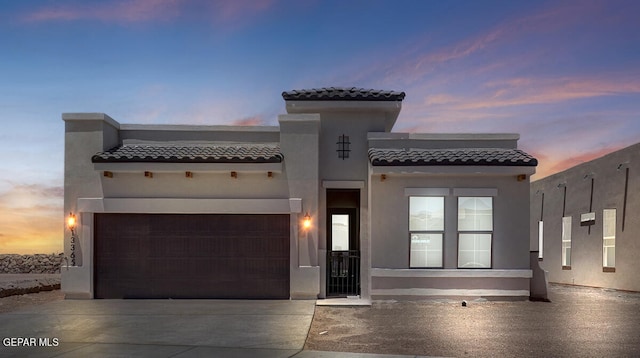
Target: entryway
(343, 242)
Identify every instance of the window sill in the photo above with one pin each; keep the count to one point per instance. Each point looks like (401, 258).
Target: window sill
(566, 267)
(608, 269)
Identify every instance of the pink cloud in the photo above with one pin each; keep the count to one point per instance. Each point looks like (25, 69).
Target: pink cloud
(249, 121)
(120, 11)
(532, 91)
(227, 13)
(32, 219)
(552, 163)
(421, 62)
(235, 10)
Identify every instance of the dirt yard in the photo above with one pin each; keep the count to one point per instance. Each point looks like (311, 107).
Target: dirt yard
(12, 303)
(579, 322)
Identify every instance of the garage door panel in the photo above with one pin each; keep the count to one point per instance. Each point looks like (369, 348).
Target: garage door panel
(191, 256)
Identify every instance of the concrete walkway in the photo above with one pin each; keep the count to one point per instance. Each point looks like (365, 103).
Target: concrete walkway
(159, 328)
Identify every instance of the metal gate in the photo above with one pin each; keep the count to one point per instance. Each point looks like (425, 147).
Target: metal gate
(343, 276)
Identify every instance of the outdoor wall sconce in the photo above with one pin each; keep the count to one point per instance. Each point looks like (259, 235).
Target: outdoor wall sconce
(72, 223)
(269, 174)
(521, 177)
(306, 222)
(383, 177)
(188, 174)
(623, 165)
(107, 174)
(234, 175)
(148, 175)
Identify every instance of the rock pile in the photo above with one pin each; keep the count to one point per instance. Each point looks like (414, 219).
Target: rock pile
(38, 263)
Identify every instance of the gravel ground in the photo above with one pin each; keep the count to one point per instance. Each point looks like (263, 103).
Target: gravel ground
(579, 322)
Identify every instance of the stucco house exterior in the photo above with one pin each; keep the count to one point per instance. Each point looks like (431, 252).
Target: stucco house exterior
(585, 225)
(329, 203)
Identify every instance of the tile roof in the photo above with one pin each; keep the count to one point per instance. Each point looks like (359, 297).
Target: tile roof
(462, 156)
(342, 94)
(246, 153)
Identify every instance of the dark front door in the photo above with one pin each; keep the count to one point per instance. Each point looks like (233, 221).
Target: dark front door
(191, 256)
(343, 243)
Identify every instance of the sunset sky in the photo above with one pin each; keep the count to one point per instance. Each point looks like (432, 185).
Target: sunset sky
(563, 74)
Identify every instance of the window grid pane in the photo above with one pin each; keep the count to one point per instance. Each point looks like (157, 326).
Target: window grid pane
(609, 238)
(566, 241)
(475, 232)
(474, 250)
(540, 239)
(426, 213)
(426, 231)
(426, 250)
(475, 214)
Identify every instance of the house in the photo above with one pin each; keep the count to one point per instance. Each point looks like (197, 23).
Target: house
(584, 222)
(330, 203)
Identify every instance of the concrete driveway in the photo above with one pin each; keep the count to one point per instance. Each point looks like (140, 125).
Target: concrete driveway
(157, 328)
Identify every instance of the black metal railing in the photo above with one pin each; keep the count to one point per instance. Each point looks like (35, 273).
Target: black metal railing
(343, 273)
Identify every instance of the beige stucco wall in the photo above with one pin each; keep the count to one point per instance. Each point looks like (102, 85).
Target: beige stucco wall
(390, 232)
(586, 248)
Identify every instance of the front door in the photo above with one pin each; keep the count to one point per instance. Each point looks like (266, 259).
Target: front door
(343, 248)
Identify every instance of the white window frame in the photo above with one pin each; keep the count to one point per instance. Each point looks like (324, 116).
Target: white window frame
(478, 234)
(608, 240)
(415, 233)
(540, 239)
(566, 241)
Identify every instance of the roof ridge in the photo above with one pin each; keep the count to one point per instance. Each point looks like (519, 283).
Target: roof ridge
(342, 94)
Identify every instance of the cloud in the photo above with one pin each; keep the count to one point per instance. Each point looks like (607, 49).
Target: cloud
(249, 121)
(234, 12)
(117, 11)
(31, 219)
(551, 163)
(222, 12)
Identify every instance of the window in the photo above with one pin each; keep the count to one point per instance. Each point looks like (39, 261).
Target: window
(540, 238)
(609, 238)
(426, 231)
(475, 231)
(566, 241)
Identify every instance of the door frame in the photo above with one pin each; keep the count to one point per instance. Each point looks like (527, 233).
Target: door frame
(343, 273)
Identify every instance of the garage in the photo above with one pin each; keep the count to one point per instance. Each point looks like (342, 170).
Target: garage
(191, 256)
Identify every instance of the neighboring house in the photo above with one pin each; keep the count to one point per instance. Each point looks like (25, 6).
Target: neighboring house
(329, 203)
(585, 220)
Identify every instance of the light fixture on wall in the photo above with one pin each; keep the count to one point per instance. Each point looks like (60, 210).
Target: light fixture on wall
(71, 222)
(623, 165)
(562, 185)
(588, 176)
(306, 221)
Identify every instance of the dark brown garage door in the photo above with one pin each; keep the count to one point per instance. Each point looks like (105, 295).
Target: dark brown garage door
(191, 256)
